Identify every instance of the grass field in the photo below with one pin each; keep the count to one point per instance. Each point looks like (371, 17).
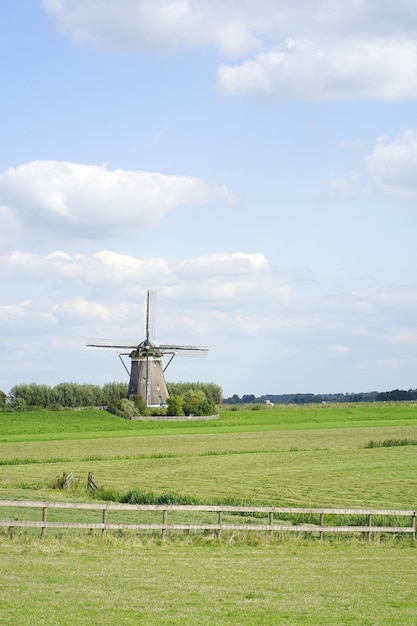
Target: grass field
(302, 456)
(216, 583)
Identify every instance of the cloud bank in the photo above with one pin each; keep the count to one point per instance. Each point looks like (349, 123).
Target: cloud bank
(304, 49)
(107, 269)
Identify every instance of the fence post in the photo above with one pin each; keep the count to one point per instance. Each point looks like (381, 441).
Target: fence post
(44, 517)
(90, 482)
(164, 523)
(369, 524)
(413, 524)
(321, 526)
(219, 521)
(104, 520)
(271, 521)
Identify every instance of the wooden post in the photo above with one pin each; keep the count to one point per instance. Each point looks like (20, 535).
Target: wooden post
(164, 523)
(104, 520)
(369, 524)
(90, 482)
(219, 521)
(271, 521)
(44, 516)
(413, 524)
(321, 526)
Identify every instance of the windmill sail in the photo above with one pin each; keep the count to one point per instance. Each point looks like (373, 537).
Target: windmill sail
(147, 372)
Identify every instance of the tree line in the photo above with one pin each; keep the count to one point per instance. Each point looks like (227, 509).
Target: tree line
(194, 396)
(396, 395)
(64, 395)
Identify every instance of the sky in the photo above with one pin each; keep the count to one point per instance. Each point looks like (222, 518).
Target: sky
(254, 162)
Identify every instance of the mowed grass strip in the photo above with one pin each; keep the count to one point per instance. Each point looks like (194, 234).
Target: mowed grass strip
(127, 582)
(323, 468)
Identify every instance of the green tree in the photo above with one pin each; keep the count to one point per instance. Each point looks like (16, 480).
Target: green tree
(174, 405)
(3, 398)
(213, 392)
(114, 391)
(19, 404)
(197, 403)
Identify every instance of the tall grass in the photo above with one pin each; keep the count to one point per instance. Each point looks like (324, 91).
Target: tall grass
(390, 443)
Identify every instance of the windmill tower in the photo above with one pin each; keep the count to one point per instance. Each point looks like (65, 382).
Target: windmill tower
(147, 369)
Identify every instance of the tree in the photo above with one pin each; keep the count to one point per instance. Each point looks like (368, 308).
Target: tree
(174, 405)
(197, 403)
(114, 391)
(213, 392)
(248, 398)
(19, 404)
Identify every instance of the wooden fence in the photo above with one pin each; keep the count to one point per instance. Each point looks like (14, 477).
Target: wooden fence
(226, 518)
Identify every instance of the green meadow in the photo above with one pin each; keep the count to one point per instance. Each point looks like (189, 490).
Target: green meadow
(350, 456)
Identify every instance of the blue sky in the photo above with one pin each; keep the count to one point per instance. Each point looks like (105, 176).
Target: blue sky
(254, 162)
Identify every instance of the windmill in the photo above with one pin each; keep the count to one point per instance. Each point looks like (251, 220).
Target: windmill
(147, 370)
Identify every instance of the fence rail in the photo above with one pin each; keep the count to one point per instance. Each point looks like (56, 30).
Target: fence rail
(270, 524)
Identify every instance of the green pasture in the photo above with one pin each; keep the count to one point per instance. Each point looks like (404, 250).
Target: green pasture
(302, 456)
(92, 423)
(277, 456)
(208, 583)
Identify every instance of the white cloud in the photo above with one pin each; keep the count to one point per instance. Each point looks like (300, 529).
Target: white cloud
(11, 311)
(155, 25)
(378, 68)
(81, 309)
(11, 227)
(225, 263)
(405, 335)
(108, 269)
(349, 49)
(90, 201)
(339, 349)
(392, 166)
(84, 284)
(390, 170)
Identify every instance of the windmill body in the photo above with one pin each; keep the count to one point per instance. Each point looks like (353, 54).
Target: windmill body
(147, 375)
(147, 371)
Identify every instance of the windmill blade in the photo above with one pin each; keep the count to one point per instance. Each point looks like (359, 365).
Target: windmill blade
(150, 315)
(183, 350)
(108, 343)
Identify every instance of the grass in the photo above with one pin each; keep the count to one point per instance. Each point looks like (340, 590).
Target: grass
(302, 456)
(91, 423)
(207, 583)
(320, 467)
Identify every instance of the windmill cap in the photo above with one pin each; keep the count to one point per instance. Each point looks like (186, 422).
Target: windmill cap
(146, 348)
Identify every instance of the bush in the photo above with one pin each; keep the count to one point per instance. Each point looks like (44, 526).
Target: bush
(124, 408)
(140, 405)
(19, 404)
(140, 496)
